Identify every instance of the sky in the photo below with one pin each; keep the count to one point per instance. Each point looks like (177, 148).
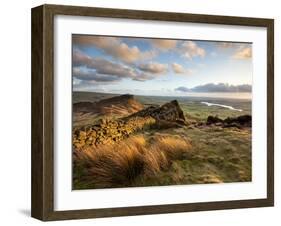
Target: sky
(161, 67)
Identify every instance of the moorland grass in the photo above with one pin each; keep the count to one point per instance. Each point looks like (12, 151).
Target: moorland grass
(121, 164)
(169, 156)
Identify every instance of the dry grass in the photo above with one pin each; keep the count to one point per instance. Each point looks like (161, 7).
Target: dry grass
(120, 164)
(174, 148)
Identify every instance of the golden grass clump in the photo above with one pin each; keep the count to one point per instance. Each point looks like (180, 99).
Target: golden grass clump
(154, 161)
(174, 148)
(109, 164)
(120, 164)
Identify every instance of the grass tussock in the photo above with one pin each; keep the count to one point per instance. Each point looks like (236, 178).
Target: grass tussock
(121, 164)
(174, 148)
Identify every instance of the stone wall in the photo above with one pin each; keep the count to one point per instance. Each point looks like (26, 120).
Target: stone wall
(109, 131)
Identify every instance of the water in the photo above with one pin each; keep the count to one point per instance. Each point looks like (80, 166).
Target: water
(221, 105)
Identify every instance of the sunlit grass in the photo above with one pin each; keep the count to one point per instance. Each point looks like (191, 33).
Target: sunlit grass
(121, 164)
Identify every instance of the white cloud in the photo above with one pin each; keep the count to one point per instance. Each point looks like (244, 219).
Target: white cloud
(164, 44)
(179, 69)
(114, 47)
(190, 49)
(243, 53)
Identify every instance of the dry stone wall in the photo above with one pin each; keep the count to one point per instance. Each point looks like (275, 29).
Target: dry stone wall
(109, 131)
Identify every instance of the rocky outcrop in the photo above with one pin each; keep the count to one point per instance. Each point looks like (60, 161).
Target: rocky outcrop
(238, 122)
(110, 131)
(243, 120)
(170, 111)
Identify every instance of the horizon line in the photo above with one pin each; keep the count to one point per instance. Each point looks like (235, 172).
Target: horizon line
(203, 95)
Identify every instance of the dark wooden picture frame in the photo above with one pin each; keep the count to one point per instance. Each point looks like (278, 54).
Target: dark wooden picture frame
(43, 120)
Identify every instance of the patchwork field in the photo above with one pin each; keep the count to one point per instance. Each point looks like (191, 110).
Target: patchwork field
(126, 141)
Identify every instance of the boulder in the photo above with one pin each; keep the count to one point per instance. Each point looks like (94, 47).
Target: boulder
(213, 120)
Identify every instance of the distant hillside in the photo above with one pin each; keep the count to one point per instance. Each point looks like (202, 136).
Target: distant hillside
(117, 105)
(78, 96)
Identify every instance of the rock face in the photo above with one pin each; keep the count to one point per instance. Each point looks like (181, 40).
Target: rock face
(240, 121)
(110, 131)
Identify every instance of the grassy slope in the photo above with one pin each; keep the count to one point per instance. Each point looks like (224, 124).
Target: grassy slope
(89, 96)
(217, 154)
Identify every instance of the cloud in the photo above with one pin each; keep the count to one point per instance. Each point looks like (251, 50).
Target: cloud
(100, 69)
(89, 86)
(220, 87)
(80, 59)
(243, 53)
(227, 45)
(182, 89)
(179, 69)
(164, 44)
(92, 75)
(102, 66)
(241, 50)
(141, 77)
(190, 49)
(154, 68)
(114, 47)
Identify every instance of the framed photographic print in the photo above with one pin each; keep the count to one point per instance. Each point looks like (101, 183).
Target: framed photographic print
(141, 112)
